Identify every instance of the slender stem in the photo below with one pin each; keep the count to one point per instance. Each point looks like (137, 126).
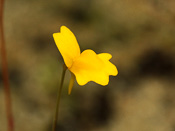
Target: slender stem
(5, 72)
(58, 99)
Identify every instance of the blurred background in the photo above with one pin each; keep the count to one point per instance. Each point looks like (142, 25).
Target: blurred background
(140, 35)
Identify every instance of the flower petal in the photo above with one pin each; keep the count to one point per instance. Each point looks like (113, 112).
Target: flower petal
(92, 67)
(67, 45)
(108, 67)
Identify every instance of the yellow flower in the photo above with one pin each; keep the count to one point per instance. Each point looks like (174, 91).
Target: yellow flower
(86, 66)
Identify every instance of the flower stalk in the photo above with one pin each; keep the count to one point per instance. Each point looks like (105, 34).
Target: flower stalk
(58, 99)
(84, 67)
(5, 72)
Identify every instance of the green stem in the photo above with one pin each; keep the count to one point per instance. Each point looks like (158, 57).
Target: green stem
(5, 72)
(58, 99)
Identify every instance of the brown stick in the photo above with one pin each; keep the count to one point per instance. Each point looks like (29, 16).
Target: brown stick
(5, 72)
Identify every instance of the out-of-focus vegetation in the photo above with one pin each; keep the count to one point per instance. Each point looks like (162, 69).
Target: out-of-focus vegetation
(140, 34)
